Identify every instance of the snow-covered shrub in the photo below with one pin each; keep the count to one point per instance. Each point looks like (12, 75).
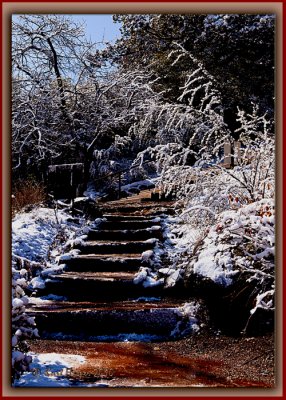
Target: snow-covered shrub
(110, 160)
(241, 246)
(38, 239)
(23, 326)
(148, 123)
(225, 225)
(185, 141)
(203, 193)
(256, 158)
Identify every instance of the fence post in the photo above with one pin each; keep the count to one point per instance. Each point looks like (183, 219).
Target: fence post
(237, 153)
(227, 155)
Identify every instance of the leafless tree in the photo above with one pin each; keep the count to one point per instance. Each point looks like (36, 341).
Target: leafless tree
(49, 65)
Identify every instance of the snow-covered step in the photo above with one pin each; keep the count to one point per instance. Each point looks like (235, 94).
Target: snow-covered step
(97, 285)
(112, 247)
(104, 322)
(131, 234)
(104, 262)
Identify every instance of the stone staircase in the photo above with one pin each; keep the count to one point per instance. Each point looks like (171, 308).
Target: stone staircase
(95, 298)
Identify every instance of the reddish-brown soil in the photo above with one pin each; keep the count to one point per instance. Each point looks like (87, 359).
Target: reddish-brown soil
(201, 360)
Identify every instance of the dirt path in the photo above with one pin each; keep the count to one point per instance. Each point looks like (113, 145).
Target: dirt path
(247, 361)
(201, 360)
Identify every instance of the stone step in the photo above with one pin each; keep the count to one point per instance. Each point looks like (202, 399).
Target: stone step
(103, 262)
(97, 286)
(92, 321)
(110, 247)
(132, 224)
(122, 235)
(138, 209)
(128, 217)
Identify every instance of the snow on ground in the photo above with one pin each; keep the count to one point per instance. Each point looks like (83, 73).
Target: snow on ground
(146, 184)
(33, 232)
(46, 299)
(50, 370)
(91, 192)
(129, 337)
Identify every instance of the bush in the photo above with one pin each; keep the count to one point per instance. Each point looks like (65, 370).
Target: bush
(27, 193)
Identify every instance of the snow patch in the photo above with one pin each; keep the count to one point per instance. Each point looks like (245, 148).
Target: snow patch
(50, 370)
(147, 299)
(264, 301)
(147, 255)
(147, 278)
(153, 228)
(130, 337)
(214, 265)
(34, 231)
(188, 322)
(37, 283)
(147, 184)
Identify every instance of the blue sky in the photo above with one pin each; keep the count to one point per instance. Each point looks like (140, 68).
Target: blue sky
(99, 27)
